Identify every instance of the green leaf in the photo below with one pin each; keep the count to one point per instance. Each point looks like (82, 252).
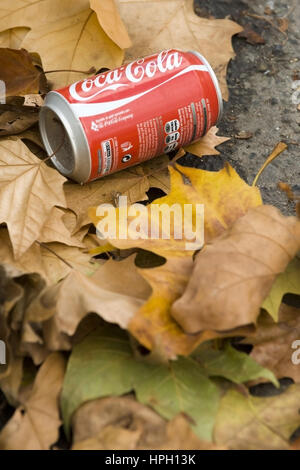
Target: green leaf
(104, 365)
(233, 365)
(287, 282)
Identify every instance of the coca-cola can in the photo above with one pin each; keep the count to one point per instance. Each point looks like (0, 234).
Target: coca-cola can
(125, 116)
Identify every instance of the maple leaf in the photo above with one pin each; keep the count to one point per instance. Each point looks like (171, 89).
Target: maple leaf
(103, 364)
(35, 424)
(206, 145)
(234, 273)
(114, 292)
(52, 261)
(225, 197)
(54, 230)
(177, 26)
(124, 423)
(66, 34)
(28, 190)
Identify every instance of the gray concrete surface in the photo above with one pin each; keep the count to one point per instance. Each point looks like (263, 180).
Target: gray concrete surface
(261, 81)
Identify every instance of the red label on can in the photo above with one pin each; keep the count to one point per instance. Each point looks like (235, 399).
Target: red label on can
(148, 107)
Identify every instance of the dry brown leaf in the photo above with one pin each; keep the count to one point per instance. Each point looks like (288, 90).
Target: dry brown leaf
(177, 26)
(18, 73)
(234, 273)
(52, 261)
(251, 36)
(66, 34)
(273, 342)
(133, 183)
(114, 292)
(16, 117)
(111, 22)
(34, 425)
(54, 230)
(207, 144)
(13, 37)
(131, 421)
(123, 423)
(28, 190)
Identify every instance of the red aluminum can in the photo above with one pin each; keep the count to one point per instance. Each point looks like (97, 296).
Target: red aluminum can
(125, 116)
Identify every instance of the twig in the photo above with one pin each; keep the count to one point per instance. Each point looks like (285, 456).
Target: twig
(43, 245)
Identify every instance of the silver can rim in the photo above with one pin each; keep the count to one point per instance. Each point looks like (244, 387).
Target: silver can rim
(57, 104)
(215, 82)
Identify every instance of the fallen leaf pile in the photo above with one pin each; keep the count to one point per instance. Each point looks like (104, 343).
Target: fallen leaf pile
(136, 343)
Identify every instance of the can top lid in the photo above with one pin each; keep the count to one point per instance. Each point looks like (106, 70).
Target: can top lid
(63, 136)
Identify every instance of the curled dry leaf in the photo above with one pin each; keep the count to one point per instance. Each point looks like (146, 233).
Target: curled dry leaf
(115, 292)
(35, 424)
(125, 424)
(273, 342)
(52, 261)
(257, 423)
(177, 26)
(18, 72)
(66, 34)
(234, 273)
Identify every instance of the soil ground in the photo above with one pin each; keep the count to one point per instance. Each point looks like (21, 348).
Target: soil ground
(261, 80)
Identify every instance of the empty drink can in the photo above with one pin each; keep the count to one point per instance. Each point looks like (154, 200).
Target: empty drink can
(125, 116)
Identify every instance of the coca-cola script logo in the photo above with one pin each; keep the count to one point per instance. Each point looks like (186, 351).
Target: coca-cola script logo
(134, 72)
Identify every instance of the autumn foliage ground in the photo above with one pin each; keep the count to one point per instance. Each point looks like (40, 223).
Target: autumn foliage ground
(137, 344)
